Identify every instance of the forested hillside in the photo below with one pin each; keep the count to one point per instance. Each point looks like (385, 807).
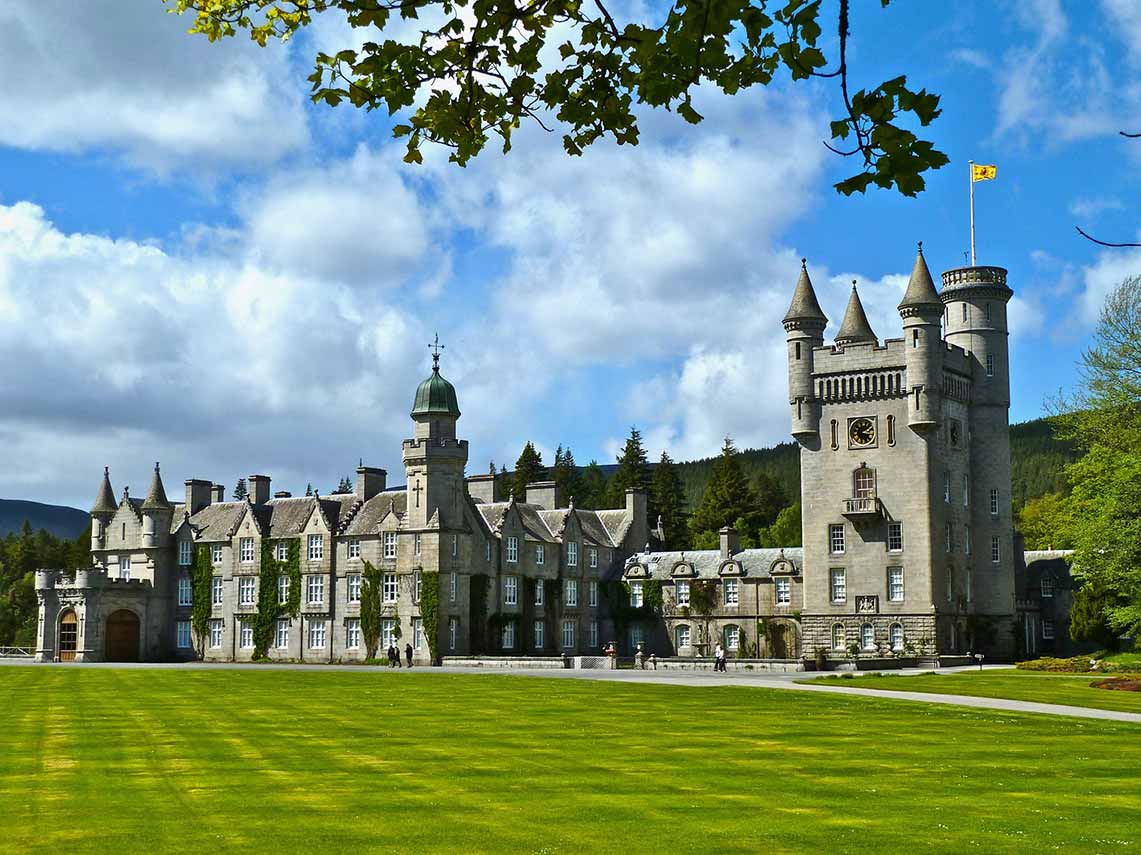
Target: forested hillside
(59, 520)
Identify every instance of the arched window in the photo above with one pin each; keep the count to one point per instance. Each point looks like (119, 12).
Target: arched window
(68, 636)
(895, 635)
(867, 637)
(837, 636)
(681, 635)
(864, 483)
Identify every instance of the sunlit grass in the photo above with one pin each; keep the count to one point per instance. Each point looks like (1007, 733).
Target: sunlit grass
(291, 761)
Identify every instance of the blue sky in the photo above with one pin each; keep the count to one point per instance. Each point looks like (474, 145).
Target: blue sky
(198, 266)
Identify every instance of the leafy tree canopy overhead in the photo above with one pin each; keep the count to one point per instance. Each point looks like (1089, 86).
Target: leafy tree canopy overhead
(487, 66)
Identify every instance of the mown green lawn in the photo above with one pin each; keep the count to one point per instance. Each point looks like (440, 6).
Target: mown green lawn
(360, 760)
(1041, 687)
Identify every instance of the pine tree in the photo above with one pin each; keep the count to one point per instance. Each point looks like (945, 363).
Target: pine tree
(727, 500)
(308, 489)
(633, 472)
(343, 487)
(770, 498)
(593, 488)
(241, 491)
(528, 469)
(668, 497)
(566, 475)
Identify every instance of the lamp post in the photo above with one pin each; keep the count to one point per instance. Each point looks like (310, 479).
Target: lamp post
(979, 658)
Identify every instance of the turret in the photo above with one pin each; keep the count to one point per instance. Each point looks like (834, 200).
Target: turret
(804, 324)
(102, 511)
(921, 311)
(156, 512)
(976, 299)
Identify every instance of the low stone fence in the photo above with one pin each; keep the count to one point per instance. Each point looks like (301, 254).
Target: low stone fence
(505, 662)
(706, 663)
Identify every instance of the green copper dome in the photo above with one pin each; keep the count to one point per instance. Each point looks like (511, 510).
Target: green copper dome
(436, 397)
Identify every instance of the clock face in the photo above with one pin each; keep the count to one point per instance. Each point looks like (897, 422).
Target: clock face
(862, 432)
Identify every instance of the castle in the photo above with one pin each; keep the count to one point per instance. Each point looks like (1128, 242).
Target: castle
(908, 542)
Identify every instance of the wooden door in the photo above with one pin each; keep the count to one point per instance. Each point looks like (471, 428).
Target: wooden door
(68, 636)
(122, 637)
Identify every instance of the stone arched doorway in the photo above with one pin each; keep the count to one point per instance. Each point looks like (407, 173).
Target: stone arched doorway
(122, 637)
(68, 636)
(783, 640)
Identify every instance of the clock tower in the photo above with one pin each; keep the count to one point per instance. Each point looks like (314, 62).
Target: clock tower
(905, 471)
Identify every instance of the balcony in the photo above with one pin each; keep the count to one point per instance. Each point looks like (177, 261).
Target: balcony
(862, 508)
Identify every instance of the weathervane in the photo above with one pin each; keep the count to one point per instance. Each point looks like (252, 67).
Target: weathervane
(436, 347)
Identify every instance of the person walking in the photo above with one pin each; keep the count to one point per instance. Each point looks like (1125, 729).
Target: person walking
(719, 658)
(391, 656)
(408, 654)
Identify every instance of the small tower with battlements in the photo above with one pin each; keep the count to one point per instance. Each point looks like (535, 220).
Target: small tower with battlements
(804, 324)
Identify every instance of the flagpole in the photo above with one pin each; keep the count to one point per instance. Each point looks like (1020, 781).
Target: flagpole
(971, 179)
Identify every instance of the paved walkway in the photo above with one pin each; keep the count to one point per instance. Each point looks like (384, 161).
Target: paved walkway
(671, 678)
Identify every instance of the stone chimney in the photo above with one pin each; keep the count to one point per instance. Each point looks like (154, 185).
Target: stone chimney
(217, 493)
(370, 481)
(485, 488)
(259, 489)
(544, 494)
(282, 494)
(198, 494)
(638, 535)
(730, 542)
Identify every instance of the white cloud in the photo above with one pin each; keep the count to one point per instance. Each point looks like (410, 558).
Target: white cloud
(127, 77)
(1088, 208)
(1110, 269)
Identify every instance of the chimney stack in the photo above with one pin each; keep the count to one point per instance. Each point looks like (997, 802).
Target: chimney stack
(730, 542)
(545, 494)
(198, 495)
(259, 489)
(217, 493)
(370, 481)
(485, 488)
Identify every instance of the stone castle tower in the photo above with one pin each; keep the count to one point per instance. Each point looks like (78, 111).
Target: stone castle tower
(905, 469)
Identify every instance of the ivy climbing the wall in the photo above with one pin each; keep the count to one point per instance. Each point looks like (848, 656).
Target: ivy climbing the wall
(201, 577)
(265, 619)
(430, 610)
(292, 569)
(370, 609)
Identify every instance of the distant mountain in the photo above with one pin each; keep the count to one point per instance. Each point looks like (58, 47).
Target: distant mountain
(60, 520)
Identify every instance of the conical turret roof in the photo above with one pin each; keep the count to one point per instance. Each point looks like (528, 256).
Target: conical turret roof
(804, 306)
(921, 291)
(105, 501)
(855, 326)
(156, 496)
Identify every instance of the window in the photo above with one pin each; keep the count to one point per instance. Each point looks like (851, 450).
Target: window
(867, 637)
(281, 640)
(966, 491)
(681, 593)
(568, 633)
(915, 338)
(354, 547)
(182, 634)
(964, 311)
(798, 350)
(839, 586)
(246, 550)
(417, 545)
(185, 591)
(732, 597)
(245, 635)
(895, 636)
(281, 550)
(594, 634)
(987, 309)
(453, 586)
(637, 636)
(453, 632)
(835, 443)
(836, 539)
(895, 584)
(539, 629)
(389, 544)
(837, 636)
(282, 589)
(215, 629)
(635, 595)
(967, 540)
(317, 635)
(1047, 587)
(540, 554)
(316, 547)
(508, 635)
(593, 557)
(353, 588)
(592, 593)
(417, 586)
(487, 551)
(184, 553)
(784, 590)
(572, 554)
(314, 590)
(682, 636)
(891, 430)
(247, 587)
(418, 633)
(353, 633)
(946, 486)
(388, 588)
(732, 638)
(455, 545)
(570, 592)
(990, 365)
(216, 553)
(510, 590)
(995, 549)
(950, 584)
(216, 589)
(512, 550)
(1047, 629)
(993, 502)
(948, 538)
(387, 632)
(125, 568)
(895, 537)
(864, 483)
(970, 586)
(538, 592)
